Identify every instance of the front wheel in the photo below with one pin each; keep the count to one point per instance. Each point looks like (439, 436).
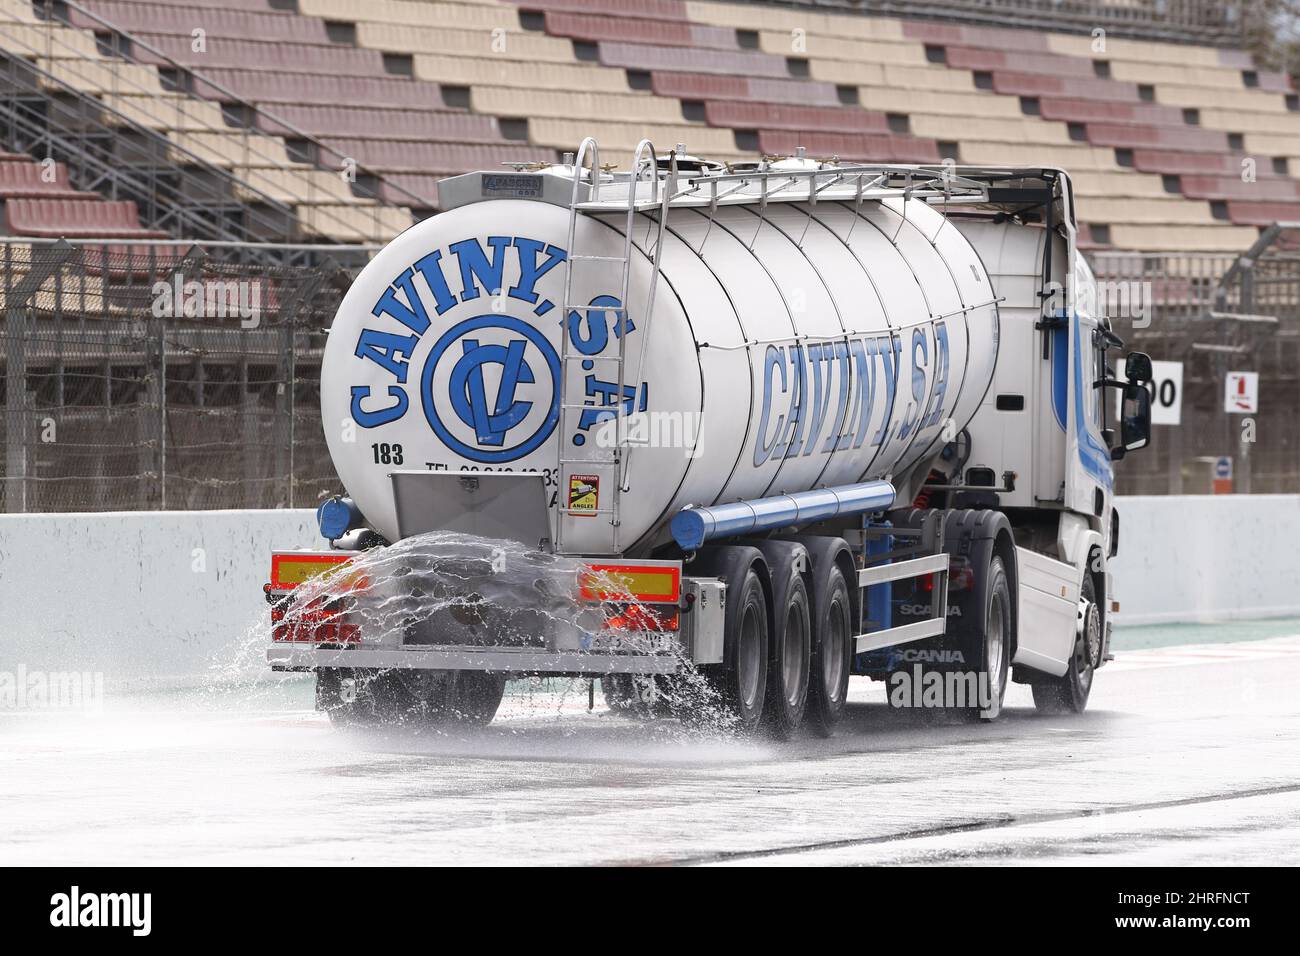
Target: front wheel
(995, 650)
(1068, 694)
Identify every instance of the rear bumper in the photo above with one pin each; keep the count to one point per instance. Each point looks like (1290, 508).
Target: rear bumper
(499, 659)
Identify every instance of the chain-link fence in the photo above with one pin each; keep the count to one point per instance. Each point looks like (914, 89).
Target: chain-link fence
(163, 375)
(1214, 314)
(184, 376)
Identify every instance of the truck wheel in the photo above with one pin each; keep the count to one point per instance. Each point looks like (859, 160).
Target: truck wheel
(617, 691)
(354, 697)
(476, 697)
(643, 697)
(832, 651)
(994, 644)
(366, 697)
(1068, 694)
(789, 664)
(745, 652)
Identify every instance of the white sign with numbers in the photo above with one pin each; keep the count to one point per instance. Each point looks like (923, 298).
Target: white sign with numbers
(1166, 393)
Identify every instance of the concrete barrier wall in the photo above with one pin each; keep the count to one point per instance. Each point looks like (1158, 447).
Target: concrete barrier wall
(169, 594)
(138, 594)
(1207, 557)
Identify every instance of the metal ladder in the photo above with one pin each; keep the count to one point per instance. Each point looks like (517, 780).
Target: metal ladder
(614, 462)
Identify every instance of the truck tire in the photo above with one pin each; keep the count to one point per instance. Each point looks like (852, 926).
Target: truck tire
(789, 666)
(367, 697)
(643, 697)
(994, 644)
(1068, 694)
(738, 685)
(746, 652)
(475, 700)
(832, 649)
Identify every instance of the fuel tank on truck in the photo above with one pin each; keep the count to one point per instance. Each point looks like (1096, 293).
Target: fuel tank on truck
(791, 345)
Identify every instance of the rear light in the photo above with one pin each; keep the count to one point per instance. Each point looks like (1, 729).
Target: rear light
(961, 577)
(322, 621)
(333, 632)
(643, 617)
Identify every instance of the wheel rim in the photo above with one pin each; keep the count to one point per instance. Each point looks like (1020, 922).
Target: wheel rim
(794, 659)
(750, 657)
(833, 650)
(994, 644)
(1089, 638)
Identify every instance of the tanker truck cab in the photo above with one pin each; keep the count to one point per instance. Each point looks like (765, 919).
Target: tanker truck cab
(718, 439)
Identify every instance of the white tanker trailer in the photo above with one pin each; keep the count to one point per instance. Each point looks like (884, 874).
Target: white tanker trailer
(809, 419)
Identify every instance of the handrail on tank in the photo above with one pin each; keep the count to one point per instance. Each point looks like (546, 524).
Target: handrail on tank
(588, 145)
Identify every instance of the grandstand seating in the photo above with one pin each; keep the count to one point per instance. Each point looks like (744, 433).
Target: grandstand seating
(133, 97)
(1174, 147)
(38, 201)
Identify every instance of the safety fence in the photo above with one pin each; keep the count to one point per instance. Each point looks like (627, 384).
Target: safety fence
(168, 375)
(164, 375)
(1214, 314)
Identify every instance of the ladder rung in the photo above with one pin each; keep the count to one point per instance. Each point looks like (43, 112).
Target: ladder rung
(594, 308)
(598, 258)
(589, 461)
(571, 357)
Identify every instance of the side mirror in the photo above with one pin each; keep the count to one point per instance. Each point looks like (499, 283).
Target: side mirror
(1135, 420)
(1137, 368)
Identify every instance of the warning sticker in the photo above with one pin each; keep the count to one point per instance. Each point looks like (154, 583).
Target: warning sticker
(584, 494)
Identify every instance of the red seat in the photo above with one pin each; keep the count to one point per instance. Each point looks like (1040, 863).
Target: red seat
(751, 115)
(674, 10)
(1263, 213)
(989, 37)
(1070, 110)
(263, 55)
(628, 29)
(30, 180)
(1169, 137)
(1178, 162)
(1053, 64)
(75, 219)
(215, 19)
(1077, 87)
(1268, 189)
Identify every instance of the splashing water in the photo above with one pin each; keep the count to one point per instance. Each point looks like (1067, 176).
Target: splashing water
(447, 589)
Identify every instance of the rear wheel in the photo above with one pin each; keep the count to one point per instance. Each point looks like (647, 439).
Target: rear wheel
(641, 696)
(367, 697)
(742, 683)
(788, 668)
(832, 656)
(1068, 694)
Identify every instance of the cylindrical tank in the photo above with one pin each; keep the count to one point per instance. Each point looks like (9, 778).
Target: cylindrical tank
(791, 347)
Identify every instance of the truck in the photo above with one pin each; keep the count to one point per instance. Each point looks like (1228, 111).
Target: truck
(772, 424)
